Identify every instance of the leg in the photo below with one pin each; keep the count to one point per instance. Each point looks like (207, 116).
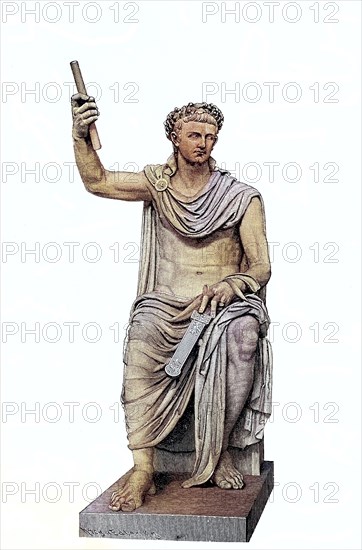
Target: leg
(242, 342)
(149, 395)
(135, 484)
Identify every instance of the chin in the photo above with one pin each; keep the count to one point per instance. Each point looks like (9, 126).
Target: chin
(201, 159)
(197, 160)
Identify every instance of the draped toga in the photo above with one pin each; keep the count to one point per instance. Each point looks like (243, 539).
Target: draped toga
(154, 402)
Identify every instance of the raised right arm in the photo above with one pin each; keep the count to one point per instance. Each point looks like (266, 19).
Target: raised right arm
(128, 186)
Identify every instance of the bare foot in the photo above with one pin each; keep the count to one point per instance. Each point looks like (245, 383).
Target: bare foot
(132, 489)
(226, 476)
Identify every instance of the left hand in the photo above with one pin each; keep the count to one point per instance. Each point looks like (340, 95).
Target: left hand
(218, 295)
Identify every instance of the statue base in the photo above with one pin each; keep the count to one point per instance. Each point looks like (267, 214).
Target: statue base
(204, 513)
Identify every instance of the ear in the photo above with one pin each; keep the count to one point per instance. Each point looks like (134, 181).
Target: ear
(175, 139)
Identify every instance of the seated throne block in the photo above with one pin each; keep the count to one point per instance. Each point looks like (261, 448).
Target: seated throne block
(176, 453)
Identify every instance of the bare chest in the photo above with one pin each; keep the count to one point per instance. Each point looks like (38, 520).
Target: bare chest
(185, 264)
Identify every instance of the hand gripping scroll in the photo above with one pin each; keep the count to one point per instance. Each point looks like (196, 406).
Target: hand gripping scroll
(93, 133)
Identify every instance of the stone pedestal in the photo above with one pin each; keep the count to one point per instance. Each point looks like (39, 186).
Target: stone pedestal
(204, 513)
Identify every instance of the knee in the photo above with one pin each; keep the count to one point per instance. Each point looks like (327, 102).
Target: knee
(244, 336)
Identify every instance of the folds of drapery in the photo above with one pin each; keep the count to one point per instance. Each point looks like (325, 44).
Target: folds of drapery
(210, 384)
(154, 402)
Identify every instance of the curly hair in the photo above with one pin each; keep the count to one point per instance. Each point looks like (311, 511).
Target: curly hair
(198, 112)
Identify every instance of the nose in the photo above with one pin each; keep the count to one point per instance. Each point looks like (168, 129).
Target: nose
(202, 142)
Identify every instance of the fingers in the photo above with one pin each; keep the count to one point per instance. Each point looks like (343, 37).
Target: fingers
(79, 99)
(88, 109)
(83, 123)
(219, 300)
(84, 112)
(186, 313)
(214, 304)
(89, 114)
(90, 120)
(88, 105)
(78, 96)
(204, 302)
(206, 295)
(215, 296)
(83, 104)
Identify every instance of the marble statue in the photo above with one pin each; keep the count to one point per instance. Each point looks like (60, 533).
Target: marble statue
(198, 326)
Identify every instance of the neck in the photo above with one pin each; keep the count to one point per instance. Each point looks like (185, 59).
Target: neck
(192, 174)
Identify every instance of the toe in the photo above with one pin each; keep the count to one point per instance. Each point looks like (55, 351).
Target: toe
(152, 490)
(241, 483)
(116, 501)
(235, 483)
(240, 480)
(128, 506)
(113, 500)
(115, 506)
(225, 484)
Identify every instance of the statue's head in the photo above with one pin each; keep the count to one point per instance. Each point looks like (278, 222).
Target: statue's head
(193, 130)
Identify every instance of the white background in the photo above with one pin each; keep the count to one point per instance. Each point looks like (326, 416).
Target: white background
(169, 53)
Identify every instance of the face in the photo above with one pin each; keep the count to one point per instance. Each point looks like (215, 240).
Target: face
(195, 141)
